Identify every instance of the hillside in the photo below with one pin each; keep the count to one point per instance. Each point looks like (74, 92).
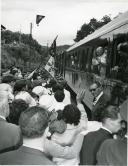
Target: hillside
(23, 51)
(62, 48)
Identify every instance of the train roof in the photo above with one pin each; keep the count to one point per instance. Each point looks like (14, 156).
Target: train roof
(114, 24)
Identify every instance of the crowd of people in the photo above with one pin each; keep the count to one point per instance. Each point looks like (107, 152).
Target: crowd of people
(40, 125)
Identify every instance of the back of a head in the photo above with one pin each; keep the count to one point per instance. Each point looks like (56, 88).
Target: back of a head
(4, 106)
(16, 108)
(57, 87)
(99, 50)
(33, 122)
(71, 114)
(20, 85)
(109, 111)
(52, 82)
(59, 96)
(63, 83)
(8, 79)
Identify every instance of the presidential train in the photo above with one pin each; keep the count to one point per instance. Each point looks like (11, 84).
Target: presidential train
(101, 56)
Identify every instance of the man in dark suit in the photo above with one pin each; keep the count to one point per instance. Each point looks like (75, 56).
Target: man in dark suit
(114, 152)
(100, 99)
(10, 134)
(110, 124)
(33, 123)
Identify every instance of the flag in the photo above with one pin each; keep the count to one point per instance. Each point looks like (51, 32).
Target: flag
(52, 50)
(39, 18)
(50, 66)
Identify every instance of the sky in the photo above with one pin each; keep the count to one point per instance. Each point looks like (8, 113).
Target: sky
(62, 17)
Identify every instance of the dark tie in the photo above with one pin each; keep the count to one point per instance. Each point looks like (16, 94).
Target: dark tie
(94, 99)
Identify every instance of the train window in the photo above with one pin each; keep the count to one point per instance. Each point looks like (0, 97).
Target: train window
(83, 59)
(67, 60)
(120, 69)
(89, 60)
(99, 61)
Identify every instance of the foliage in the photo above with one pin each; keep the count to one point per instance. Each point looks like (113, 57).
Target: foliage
(17, 37)
(89, 28)
(21, 50)
(62, 48)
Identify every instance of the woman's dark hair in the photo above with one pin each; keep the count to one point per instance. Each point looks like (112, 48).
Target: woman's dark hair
(8, 79)
(57, 87)
(52, 82)
(59, 96)
(20, 85)
(71, 114)
(16, 108)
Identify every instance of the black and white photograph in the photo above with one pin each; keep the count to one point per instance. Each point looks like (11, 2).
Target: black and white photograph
(64, 82)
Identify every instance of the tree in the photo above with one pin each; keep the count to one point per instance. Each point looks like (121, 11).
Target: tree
(89, 28)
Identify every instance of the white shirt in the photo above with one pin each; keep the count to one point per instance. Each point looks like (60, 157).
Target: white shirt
(67, 99)
(58, 106)
(69, 136)
(26, 97)
(46, 101)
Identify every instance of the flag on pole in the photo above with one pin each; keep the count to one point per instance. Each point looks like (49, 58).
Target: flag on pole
(38, 19)
(52, 49)
(50, 66)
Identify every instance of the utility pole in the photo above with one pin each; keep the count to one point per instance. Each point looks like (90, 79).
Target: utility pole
(30, 40)
(20, 35)
(31, 26)
(47, 49)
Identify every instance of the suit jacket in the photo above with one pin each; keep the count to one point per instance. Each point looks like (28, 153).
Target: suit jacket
(113, 152)
(10, 136)
(91, 144)
(25, 156)
(95, 110)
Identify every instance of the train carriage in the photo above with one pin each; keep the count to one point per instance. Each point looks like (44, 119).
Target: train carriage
(78, 63)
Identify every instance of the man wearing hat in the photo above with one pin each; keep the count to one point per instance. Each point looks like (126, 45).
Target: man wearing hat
(114, 152)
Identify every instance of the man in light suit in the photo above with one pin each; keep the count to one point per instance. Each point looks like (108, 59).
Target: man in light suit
(110, 124)
(114, 152)
(33, 123)
(100, 99)
(10, 134)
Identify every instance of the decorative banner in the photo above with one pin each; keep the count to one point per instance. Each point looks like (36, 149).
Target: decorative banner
(38, 19)
(50, 66)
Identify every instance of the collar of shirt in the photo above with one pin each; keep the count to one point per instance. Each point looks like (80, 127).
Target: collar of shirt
(35, 143)
(2, 117)
(106, 129)
(97, 98)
